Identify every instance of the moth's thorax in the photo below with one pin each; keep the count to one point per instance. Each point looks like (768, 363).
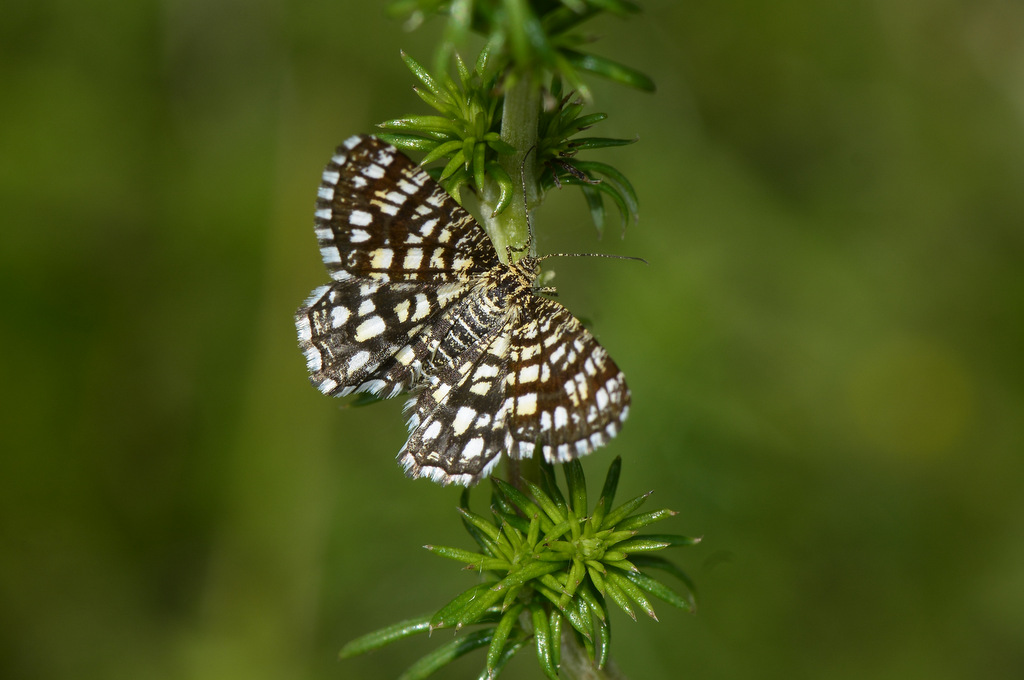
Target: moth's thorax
(508, 285)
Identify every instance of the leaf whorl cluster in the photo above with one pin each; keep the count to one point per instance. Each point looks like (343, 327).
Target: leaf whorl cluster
(549, 569)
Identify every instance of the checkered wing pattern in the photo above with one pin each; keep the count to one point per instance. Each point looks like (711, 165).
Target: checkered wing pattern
(362, 335)
(566, 394)
(459, 418)
(380, 216)
(544, 381)
(420, 302)
(399, 250)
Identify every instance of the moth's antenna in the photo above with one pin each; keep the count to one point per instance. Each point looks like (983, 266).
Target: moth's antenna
(614, 257)
(529, 223)
(526, 203)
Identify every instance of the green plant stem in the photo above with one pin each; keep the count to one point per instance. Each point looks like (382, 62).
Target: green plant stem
(519, 121)
(576, 665)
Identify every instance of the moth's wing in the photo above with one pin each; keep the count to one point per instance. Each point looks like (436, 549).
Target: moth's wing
(378, 215)
(356, 333)
(400, 251)
(458, 417)
(565, 393)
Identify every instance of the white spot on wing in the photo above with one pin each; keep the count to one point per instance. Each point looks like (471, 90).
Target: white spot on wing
(463, 419)
(437, 259)
(422, 307)
(358, 361)
(405, 356)
(359, 218)
(413, 258)
(441, 392)
(432, 431)
(500, 346)
(370, 328)
(581, 386)
(382, 258)
(474, 447)
(339, 315)
(402, 310)
(561, 417)
(526, 405)
(485, 371)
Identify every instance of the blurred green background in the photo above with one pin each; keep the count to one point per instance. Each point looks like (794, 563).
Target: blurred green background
(825, 351)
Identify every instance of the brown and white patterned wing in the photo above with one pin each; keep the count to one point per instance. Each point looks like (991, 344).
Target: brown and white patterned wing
(564, 392)
(357, 335)
(379, 215)
(458, 419)
(400, 251)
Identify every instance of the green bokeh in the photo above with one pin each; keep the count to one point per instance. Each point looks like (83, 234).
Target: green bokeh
(825, 351)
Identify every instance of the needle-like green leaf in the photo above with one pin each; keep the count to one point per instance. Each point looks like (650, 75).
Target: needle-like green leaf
(446, 653)
(576, 483)
(612, 70)
(624, 510)
(452, 613)
(422, 75)
(661, 591)
(640, 521)
(501, 633)
(553, 512)
(656, 562)
(385, 636)
(631, 590)
(542, 638)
